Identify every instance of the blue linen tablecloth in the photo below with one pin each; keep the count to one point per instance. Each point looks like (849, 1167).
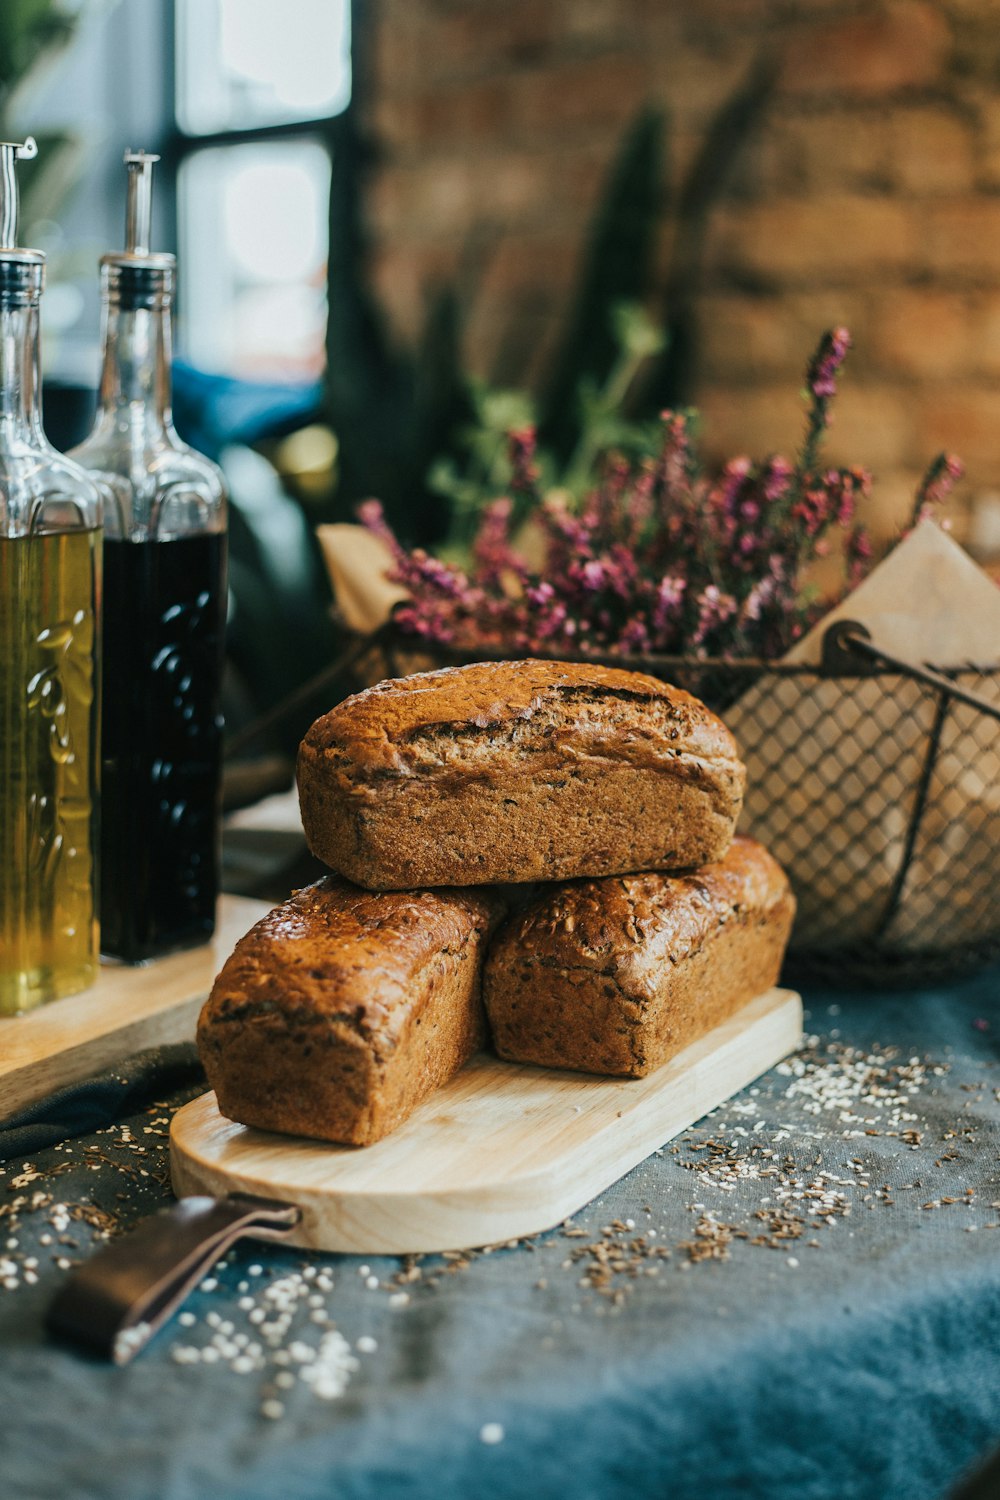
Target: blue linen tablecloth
(827, 1337)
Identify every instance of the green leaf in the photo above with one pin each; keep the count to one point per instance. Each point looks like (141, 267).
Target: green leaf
(28, 30)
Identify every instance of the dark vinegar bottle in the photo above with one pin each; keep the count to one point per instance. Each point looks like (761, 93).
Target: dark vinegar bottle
(164, 614)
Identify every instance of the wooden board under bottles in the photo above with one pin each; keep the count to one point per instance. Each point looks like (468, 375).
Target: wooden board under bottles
(126, 1010)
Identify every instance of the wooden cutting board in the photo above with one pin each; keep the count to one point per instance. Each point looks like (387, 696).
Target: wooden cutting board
(126, 1010)
(501, 1151)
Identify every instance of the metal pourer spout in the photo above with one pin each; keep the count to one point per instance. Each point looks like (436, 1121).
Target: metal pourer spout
(139, 201)
(11, 152)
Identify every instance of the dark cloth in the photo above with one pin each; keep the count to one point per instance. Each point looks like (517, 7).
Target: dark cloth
(211, 411)
(112, 1095)
(868, 1370)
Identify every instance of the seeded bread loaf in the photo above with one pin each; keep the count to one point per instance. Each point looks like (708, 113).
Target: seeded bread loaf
(617, 975)
(517, 771)
(341, 1010)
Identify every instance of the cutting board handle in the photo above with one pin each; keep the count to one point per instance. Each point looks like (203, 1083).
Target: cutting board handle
(116, 1301)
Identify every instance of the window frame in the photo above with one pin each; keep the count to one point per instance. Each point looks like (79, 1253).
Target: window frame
(333, 132)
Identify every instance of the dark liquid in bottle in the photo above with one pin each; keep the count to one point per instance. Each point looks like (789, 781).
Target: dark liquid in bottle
(164, 613)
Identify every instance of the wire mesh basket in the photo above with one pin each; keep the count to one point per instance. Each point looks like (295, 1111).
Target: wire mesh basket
(875, 782)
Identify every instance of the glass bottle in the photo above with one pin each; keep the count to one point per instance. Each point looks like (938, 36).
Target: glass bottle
(50, 584)
(165, 602)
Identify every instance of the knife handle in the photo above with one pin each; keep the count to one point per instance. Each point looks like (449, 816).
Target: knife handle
(115, 1302)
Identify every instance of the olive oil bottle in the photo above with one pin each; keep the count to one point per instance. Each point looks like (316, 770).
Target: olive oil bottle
(164, 617)
(50, 570)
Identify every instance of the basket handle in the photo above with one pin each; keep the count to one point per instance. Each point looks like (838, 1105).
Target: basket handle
(848, 648)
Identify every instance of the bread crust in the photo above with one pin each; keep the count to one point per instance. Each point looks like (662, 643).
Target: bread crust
(617, 975)
(342, 1009)
(517, 771)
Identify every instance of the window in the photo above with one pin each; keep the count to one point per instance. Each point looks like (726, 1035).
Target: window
(243, 64)
(253, 238)
(256, 83)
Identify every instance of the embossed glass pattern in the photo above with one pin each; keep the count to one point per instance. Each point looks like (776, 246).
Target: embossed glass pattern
(50, 514)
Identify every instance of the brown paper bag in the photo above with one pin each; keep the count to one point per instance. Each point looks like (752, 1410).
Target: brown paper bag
(834, 765)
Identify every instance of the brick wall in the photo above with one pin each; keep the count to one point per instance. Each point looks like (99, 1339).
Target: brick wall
(869, 194)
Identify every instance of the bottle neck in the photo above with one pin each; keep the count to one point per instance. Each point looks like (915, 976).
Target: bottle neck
(20, 374)
(135, 378)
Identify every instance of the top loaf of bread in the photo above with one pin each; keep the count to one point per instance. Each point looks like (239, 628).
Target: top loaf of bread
(517, 771)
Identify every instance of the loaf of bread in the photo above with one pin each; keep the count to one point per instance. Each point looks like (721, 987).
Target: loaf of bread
(517, 771)
(617, 975)
(341, 1010)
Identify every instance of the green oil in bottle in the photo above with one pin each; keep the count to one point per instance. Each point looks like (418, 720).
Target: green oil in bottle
(49, 622)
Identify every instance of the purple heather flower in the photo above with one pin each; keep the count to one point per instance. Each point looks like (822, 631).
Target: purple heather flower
(414, 618)
(822, 372)
(546, 613)
(570, 535)
(855, 486)
(668, 604)
(522, 447)
(491, 549)
(371, 514)
(714, 609)
(858, 554)
(621, 570)
(936, 485)
(654, 556)
(776, 476)
(759, 597)
(673, 467)
(725, 496)
(813, 509)
(638, 503)
(438, 575)
(372, 517)
(593, 576)
(634, 637)
(732, 512)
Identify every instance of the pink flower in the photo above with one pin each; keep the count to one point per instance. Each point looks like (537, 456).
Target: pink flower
(491, 549)
(634, 638)
(936, 485)
(667, 606)
(714, 609)
(734, 476)
(759, 597)
(822, 372)
(372, 516)
(523, 444)
(592, 575)
(674, 467)
(776, 477)
(654, 556)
